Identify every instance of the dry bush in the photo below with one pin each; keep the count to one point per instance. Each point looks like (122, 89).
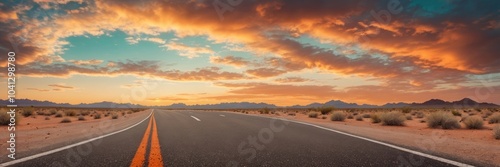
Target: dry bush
(114, 116)
(496, 132)
(325, 110)
(97, 116)
(475, 122)
(66, 120)
(5, 118)
(443, 119)
(494, 119)
(58, 114)
(409, 117)
(359, 118)
(312, 114)
(420, 114)
(393, 119)
(27, 112)
(350, 116)
(81, 118)
(375, 118)
(70, 113)
(338, 116)
(456, 113)
(366, 115)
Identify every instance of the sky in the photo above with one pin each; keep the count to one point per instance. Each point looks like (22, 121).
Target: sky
(161, 52)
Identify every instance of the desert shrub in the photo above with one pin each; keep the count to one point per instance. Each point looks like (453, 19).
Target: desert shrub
(355, 113)
(47, 118)
(350, 116)
(81, 118)
(66, 120)
(420, 114)
(136, 110)
(474, 122)
(359, 118)
(325, 110)
(123, 113)
(70, 113)
(375, 118)
(323, 117)
(496, 132)
(338, 116)
(97, 116)
(58, 114)
(27, 112)
(52, 112)
(494, 119)
(5, 118)
(114, 116)
(406, 110)
(85, 112)
(392, 118)
(443, 119)
(409, 117)
(456, 113)
(264, 110)
(312, 114)
(129, 112)
(366, 115)
(291, 113)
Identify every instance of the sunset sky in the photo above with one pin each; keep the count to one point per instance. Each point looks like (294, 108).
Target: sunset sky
(283, 52)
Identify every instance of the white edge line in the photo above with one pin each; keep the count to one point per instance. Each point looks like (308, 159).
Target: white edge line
(374, 141)
(69, 146)
(195, 118)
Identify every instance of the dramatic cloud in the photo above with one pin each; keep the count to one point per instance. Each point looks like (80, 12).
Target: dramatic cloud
(291, 79)
(188, 51)
(229, 60)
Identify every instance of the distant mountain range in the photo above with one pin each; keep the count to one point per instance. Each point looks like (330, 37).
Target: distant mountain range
(433, 103)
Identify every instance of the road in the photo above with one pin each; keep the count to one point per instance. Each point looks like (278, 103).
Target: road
(198, 138)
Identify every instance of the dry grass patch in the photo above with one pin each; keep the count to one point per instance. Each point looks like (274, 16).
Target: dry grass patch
(474, 122)
(494, 119)
(338, 116)
(393, 118)
(443, 120)
(375, 117)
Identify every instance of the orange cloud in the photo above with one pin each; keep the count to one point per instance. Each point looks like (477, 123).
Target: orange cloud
(229, 60)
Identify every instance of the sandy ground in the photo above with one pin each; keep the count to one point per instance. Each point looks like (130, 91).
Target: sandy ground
(466, 145)
(35, 134)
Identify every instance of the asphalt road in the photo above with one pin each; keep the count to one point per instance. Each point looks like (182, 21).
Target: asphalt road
(197, 138)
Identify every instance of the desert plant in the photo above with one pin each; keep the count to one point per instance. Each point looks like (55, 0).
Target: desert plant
(264, 110)
(312, 114)
(420, 114)
(350, 116)
(66, 120)
(5, 118)
(494, 119)
(406, 110)
(123, 113)
(392, 119)
(325, 110)
(81, 118)
(52, 112)
(338, 116)
(474, 122)
(359, 118)
(58, 114)
(323, 117)
(69, 113)
(114, 116)
(443, 119)
(375, 118)
(409, 117)
(97, 116)
(27, 112)
(366, 115)
(496, 132)
(129, 112)
(456, 113)
(47, 118)
(85, 112)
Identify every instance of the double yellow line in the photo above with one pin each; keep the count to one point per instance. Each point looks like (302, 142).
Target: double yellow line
(155, 158)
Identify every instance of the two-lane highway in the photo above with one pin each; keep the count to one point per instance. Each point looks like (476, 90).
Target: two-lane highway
(198, 138)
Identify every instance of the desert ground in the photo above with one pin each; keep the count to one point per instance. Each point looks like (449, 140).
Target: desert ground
(43, 129)
(475, 140)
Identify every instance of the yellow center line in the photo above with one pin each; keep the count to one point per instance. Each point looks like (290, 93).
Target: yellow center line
(155, 158)
(140, 154)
